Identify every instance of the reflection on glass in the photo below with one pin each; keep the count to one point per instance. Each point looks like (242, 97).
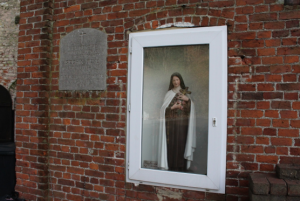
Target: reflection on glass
(175, 108)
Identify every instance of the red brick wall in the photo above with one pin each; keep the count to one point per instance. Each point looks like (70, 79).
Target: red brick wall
(67, 142)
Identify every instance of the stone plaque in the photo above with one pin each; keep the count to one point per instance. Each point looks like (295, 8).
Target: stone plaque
(82, 64)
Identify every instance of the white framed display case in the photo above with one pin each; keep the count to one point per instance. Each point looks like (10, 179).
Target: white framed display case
(177, 108)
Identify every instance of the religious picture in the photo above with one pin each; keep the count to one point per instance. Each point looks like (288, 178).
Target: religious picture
(175, 108)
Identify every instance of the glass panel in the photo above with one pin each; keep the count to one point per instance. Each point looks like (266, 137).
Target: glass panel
(175, 108)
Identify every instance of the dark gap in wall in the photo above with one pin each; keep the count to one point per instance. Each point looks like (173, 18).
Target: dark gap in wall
(291, 2)
(17, 19)
(7, 145)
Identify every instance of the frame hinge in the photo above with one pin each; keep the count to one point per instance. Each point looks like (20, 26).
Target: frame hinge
(130, 47)
(129, 108)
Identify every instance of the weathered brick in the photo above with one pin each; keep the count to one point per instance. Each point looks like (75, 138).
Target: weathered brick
(277, 186)
(255, 197)
(288, 171)
(292, 198)
(293, 187)
(259, 184)
(288, 87)
(252, 96)
(264, 17)
(249, 2)
(267, 159)
(289, 15)
(289, 50)
(89, 5)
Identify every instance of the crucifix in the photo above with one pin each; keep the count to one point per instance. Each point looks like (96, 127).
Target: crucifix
(81, 35)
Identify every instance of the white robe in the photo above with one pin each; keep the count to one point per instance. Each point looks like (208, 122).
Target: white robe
(162, 142)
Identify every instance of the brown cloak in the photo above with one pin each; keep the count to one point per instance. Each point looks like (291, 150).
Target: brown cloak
(177, 122)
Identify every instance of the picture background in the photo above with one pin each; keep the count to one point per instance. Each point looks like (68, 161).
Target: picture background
(192, 62)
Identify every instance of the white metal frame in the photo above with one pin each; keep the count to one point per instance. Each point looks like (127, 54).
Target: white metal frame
(216, 37)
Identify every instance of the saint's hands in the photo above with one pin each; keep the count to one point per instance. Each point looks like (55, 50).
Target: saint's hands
(177, 105)
(182, 97)
(181, 101)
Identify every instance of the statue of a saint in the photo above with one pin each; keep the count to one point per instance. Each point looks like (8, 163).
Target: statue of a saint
(177, 134)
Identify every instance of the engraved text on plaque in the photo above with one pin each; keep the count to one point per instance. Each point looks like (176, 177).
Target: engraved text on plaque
(82, 64)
